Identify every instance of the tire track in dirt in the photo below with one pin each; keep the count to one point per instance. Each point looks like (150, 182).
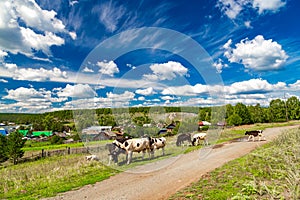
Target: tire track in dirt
(160, 184)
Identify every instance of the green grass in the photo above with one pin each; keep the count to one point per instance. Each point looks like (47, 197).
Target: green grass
(269, 172)
(62, 173)
(50, 176)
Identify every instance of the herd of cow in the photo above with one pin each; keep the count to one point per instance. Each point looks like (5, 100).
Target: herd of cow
(150, 144)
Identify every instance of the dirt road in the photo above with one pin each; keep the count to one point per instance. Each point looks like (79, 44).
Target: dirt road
(137, 184)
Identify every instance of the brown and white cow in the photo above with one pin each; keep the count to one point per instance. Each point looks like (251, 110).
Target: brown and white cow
(134, 145)
(198, 137)
(255, 133)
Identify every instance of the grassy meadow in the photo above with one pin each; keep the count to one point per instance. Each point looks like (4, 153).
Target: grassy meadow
(52, 175)
(269, 172)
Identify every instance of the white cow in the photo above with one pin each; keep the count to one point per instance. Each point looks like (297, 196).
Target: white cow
(92, 157)
(157, 143)
(134, 145)
(199, 136)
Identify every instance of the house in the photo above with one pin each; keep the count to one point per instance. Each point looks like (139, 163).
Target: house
(41, 133)
(3, 131)
(170, 127)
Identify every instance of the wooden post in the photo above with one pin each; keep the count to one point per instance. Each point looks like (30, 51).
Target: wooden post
(42, 153)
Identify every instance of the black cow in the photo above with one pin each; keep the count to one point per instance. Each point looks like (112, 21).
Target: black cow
(255, 133)
(183, 137)
(114, 152)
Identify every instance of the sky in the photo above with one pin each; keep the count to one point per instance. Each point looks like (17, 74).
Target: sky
(62, 55)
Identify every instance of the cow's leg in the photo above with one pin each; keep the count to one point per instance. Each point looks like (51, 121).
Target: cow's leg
(163, 151)
(129, 157)
(110, 158)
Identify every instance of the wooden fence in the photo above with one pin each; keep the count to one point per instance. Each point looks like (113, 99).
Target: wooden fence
(67, 151)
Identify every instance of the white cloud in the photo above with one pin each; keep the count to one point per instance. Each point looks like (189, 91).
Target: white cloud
(257, 54)
(77, 91)
(86, 69)
(3, 54)
(3, 80)
(108, 68)
(126, 96)
(232, 8)
(165, 98)
(29, 100)
(270, 5)
(31, 74)
(26, 27)
(141, 98)
(110, 14)
(166, 71)
(219, 65)
(73, 35)
(148, 91)
(253, 86)
(248, 24)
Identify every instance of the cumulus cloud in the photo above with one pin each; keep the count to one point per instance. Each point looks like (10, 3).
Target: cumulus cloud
(257, 54)
(126, 96)
(252, 86)
(86, 69)
(148, 91)
(25, 27)
(108, 68)
(77, 91)
(232, 8)
(31, 74)
(166, 71)
(219, 65)
(270, 5)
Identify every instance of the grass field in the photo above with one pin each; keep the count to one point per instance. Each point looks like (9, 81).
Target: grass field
(49, 176)
(269, 172)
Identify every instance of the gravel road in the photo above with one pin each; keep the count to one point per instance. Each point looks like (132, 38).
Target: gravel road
(144, 183)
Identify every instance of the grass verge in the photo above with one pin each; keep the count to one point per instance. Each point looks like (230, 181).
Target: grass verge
(47, 177)
(269, 172)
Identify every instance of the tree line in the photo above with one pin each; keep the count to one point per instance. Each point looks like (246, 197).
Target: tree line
(239, 114)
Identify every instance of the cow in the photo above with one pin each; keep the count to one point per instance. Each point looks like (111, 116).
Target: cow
(197, 137)
(134, 145)
(114, 152)
(183, 137)
(255, 133)
(92, 157)
(157, 143)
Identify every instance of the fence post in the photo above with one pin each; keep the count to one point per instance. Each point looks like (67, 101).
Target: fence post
(69, 150)
(42, 153)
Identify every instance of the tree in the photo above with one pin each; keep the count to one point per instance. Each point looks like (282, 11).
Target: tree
(234, 119)
(15, 143)
(257, 114)
(277, 110)
(293, 108)
(3, 149)
(242, 110)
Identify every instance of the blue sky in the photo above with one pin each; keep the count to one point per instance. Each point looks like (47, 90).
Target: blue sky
(58, 55)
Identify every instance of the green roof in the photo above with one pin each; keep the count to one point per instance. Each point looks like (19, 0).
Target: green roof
(23, 132)
(39, 133)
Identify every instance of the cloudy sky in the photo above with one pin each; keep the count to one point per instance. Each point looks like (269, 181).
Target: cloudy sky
(91, 53)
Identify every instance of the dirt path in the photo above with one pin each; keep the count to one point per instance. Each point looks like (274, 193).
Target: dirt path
(137, 184)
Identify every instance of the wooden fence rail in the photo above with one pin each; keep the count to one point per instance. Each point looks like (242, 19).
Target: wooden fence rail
(60, 152)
